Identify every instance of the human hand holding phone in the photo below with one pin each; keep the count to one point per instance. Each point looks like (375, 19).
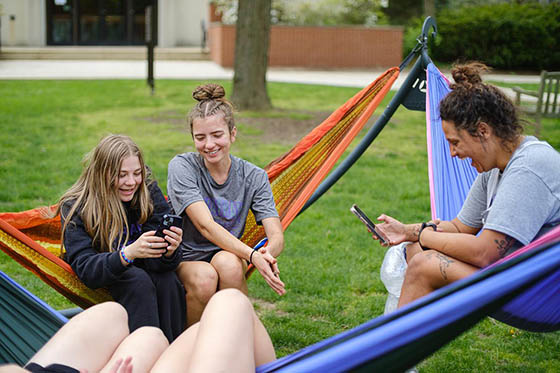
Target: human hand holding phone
(167, 222)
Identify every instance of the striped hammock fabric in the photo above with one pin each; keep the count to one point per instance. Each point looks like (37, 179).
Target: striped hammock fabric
(26, 322)
(295, 175)
(34, 241)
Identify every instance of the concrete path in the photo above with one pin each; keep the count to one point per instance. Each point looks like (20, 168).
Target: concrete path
(199, 70)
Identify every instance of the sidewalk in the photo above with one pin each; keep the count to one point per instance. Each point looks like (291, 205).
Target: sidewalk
(200, 70)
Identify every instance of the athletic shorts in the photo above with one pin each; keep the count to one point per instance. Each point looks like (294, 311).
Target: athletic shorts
(199, 256)
(51, 368)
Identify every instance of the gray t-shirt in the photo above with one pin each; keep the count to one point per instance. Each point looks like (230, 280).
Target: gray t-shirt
(246, 188)
(522, 202)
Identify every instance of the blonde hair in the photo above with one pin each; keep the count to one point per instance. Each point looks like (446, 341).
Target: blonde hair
(95, 195)
(211, 102)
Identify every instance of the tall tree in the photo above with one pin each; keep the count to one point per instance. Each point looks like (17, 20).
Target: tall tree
(251, 55)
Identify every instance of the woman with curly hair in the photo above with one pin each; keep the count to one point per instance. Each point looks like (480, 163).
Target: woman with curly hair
(514, 199)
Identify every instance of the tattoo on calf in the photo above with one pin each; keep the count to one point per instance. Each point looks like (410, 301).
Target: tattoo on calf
(444, 263)
(504, 245)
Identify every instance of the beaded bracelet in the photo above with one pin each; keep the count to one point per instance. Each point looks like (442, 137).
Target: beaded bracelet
(128, 261)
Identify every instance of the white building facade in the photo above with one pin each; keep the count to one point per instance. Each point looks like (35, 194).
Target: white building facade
(41, 23)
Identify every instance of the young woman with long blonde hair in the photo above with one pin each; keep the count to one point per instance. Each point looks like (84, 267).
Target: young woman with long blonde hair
(109, 217)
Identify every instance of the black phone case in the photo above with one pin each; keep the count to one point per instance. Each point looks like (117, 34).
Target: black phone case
(364, 218)
(167, 222)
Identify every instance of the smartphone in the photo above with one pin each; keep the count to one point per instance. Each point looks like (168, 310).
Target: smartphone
(167, 222)
(369, 224)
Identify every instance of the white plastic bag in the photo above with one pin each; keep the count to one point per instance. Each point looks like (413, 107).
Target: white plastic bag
(392, 274)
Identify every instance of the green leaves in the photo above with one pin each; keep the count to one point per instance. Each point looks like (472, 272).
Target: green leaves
(504, 36)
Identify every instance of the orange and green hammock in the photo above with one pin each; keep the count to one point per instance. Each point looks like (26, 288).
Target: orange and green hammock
(34, 241)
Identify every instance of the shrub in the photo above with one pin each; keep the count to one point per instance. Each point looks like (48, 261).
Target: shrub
(504, 36)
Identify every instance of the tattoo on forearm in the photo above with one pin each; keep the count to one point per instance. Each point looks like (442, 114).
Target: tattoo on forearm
(444, 263)
(415, 231)
(504, 245)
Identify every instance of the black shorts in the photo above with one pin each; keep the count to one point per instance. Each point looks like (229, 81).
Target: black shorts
(51, 368)
(199, 256)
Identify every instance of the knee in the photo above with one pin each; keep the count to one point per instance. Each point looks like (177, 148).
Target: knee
(151, 336)
(203, 283)
(110, 317)
(232, 300)
(419, 265)
(229, 267)
(111, 310)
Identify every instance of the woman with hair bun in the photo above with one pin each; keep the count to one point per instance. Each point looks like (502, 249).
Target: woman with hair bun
(514, 199)
(109, 218)
(214, 192)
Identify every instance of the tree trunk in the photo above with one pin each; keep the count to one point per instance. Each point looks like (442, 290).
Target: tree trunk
(251, 55)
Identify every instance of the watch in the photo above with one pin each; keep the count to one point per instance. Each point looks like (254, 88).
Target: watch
(424, 226)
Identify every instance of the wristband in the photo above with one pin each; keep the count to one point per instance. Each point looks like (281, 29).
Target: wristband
(128, 261)
(425, 225)
(251, 256)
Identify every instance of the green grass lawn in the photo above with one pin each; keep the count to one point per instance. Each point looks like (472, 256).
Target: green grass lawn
(330, 264)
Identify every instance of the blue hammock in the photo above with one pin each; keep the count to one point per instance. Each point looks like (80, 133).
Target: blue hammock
(398, 341)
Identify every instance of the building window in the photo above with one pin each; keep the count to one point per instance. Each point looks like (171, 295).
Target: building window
(98, 22)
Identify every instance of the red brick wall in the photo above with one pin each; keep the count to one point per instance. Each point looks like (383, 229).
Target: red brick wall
(221, 42)
(213, 14)
(324, 47)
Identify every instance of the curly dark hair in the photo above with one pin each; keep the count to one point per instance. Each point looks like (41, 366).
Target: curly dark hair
(471, 101)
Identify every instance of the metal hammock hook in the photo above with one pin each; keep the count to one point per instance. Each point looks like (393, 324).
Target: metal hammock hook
(421, 47)
(429, 23)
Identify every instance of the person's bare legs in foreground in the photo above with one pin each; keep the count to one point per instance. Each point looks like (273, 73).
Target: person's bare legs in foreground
(229, 337)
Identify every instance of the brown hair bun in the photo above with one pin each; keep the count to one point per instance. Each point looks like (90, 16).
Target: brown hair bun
(209, 91)
(468, 75)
